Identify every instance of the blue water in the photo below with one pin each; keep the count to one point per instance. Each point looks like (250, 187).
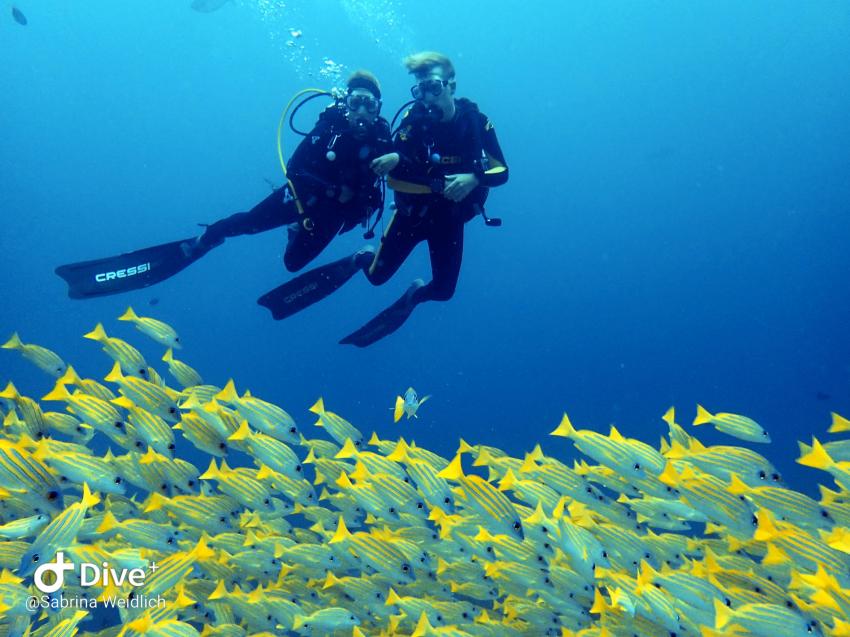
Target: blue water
(675, 230)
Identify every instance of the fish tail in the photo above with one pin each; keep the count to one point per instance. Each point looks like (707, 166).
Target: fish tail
(60, 392)
(565, 428)
(839, 423)
(115, 375)
(318, 407)
(703, 416)
(454, 471)
(13, 343)
(243, 433)
(11, 392)
(228, 394)
(129, 315)
(818, 457)
(89, 499)
(97, 334)
(342, 533)
(70, 377)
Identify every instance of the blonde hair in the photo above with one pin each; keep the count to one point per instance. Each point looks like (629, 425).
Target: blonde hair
(426, 61)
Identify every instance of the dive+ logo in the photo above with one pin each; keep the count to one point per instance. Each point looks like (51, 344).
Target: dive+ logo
(90, 574)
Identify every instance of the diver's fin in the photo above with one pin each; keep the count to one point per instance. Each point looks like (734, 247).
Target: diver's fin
(131, 270)
(310, 287)
(386, 322)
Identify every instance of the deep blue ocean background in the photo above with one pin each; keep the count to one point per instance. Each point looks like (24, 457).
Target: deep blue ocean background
(676, 224)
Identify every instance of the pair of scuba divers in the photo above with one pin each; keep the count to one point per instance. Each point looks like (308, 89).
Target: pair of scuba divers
(440, 162)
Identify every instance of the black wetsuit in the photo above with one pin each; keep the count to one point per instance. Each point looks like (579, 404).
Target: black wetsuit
(429, 150)
(318, 183)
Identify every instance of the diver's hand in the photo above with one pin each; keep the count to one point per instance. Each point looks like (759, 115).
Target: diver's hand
(382, 165)
(459, 186)
(346, 194)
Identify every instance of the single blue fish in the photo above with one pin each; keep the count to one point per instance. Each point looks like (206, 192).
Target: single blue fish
(19, 17)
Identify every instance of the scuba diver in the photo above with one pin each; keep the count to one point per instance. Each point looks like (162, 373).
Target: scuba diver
(331, 187)
(445, 159)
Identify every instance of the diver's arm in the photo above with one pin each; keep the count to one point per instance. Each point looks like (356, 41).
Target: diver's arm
(494, 172)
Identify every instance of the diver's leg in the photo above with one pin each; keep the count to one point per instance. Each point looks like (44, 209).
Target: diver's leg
(445, 247)
(274, 211)
(399, 239)
(307, 239)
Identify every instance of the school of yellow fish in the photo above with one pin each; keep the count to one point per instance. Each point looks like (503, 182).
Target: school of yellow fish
(278, 532)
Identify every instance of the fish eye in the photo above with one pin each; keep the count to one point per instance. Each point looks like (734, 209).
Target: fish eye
(547, 546)
(637, 466)
(298, 468)
(119, 424)
(172, 446)
(52, 495)
(222, 519)
(517, 526)
(118, 480)
(293, 430)
(489, 549)
(221, 445)
(605, 554)
(268, 618)
(405, 568)
(420, 505)
(35, 557)
(545, 529)
(762, 475)
(191, 483)
(170, 540)
(392, 510)
(447, 500)
(727, 601)
(754, 521)
(824, 513)
(775, 477)
(172, 410)
(163, 486)
(351, 618)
